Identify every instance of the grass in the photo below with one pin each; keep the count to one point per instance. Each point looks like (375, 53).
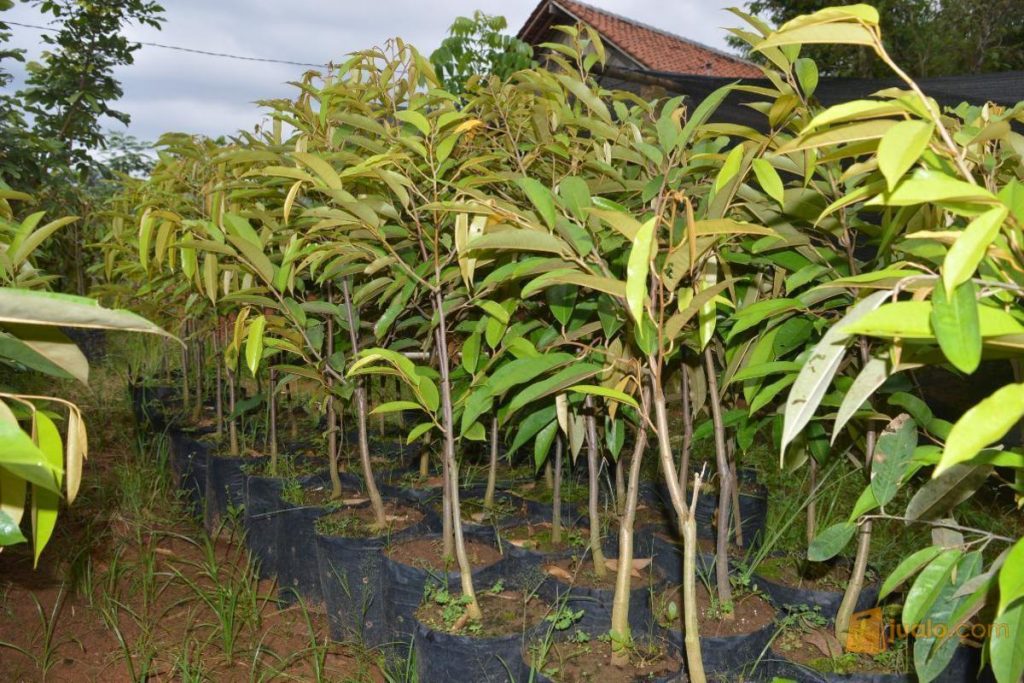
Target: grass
(132, 588)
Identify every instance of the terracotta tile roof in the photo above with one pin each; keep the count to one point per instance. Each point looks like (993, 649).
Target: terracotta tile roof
(649, 47)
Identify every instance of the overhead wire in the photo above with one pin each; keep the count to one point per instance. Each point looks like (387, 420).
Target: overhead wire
(178, 48)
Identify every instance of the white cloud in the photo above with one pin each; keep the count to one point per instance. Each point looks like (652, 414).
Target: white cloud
(167, 90)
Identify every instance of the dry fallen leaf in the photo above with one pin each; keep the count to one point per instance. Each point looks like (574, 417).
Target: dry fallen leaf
(639, 564)
(557, 572)
(353, 501)
(522, 542)
(825, 642)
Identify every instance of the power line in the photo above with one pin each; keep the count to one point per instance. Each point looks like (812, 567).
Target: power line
(190, 50)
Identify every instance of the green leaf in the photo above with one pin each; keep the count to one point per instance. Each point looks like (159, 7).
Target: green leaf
(520, 240)
(971, 246)
(940, 495)
(865, 503)
(730, 167)
(816, 375)
(605, 392)
(927, 587)
(23, 459)
(541, 198)
(419, 430)
(395, 406)
(907, 568)
(901, 147)
(562, 379)
(837, 33)
(807, 75)
(957, 326)
(983, 424)
(926, 186)
(10, 534)
(637, 269)
(49, 308)
(254, 343)
(831, 541)
(912, 320)
(871, 376)
(575, 195)
(542, 444)
(892, 456)
(1006, 646)
(418, 120)
(1011, 577)
(769, 180)
(471, 352)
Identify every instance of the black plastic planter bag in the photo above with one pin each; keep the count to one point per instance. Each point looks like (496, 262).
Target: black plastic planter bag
(448, 657)
(727, 654)
(189, 459)
(351, 582)
(753, 516)
(225, 485)
(962, 668)
(297, 571)
(263, 506)
(596, 603)
(784, 596)
(403, 590)
(262, 501)
(667, 556)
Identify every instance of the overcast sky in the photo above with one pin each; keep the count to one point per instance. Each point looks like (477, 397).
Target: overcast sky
(174, 91)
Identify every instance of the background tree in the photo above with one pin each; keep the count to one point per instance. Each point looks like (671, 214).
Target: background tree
(476, 46)
(52, 139)
(926, 37)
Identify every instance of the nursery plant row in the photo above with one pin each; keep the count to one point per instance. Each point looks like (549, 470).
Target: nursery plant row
(553, 292)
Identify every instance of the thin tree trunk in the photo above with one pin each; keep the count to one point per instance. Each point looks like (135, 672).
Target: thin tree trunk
(621, 635)
(272, 427)
(687, 445)
(198, 358)
(593, 465)
(687, 529)
(724, 589)
(492, 469)
(220, 386)
(812, 514)
(737, 516)
(860, 562)
(424, 463)
(186, 393)
(448, 422)
(556, 494)
(620, 485)
(233, 420)
(549, 475)
(361, 412)
(332, 418)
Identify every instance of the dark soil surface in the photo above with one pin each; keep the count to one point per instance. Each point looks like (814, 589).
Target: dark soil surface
(750, 612)
(428, 553)
(821, 576)
(505, 613)
(359, 521)
(571, 662)
(537, 537)
(581, 573)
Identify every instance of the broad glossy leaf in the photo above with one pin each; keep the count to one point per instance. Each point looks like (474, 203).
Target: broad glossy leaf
(983, 424)
(520, 240)
(816, 375)
(1011, 577)
(927, 587)
(912, 320)
(907, 568)
(769, 179)
(943, 493)
(254, 343)
(955, 321)
(10, 533)
(1007, 650)
(638, 268)
(892, 456)
(49, 308)
(901, 147)
(831, 541)
(970, 247)
(869, 379)
(541, 198)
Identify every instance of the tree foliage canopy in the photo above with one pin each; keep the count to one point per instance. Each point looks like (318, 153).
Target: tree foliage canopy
(926, 37)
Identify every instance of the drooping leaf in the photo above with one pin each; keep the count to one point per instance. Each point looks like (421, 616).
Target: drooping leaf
(956, 323)
(983, 424)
